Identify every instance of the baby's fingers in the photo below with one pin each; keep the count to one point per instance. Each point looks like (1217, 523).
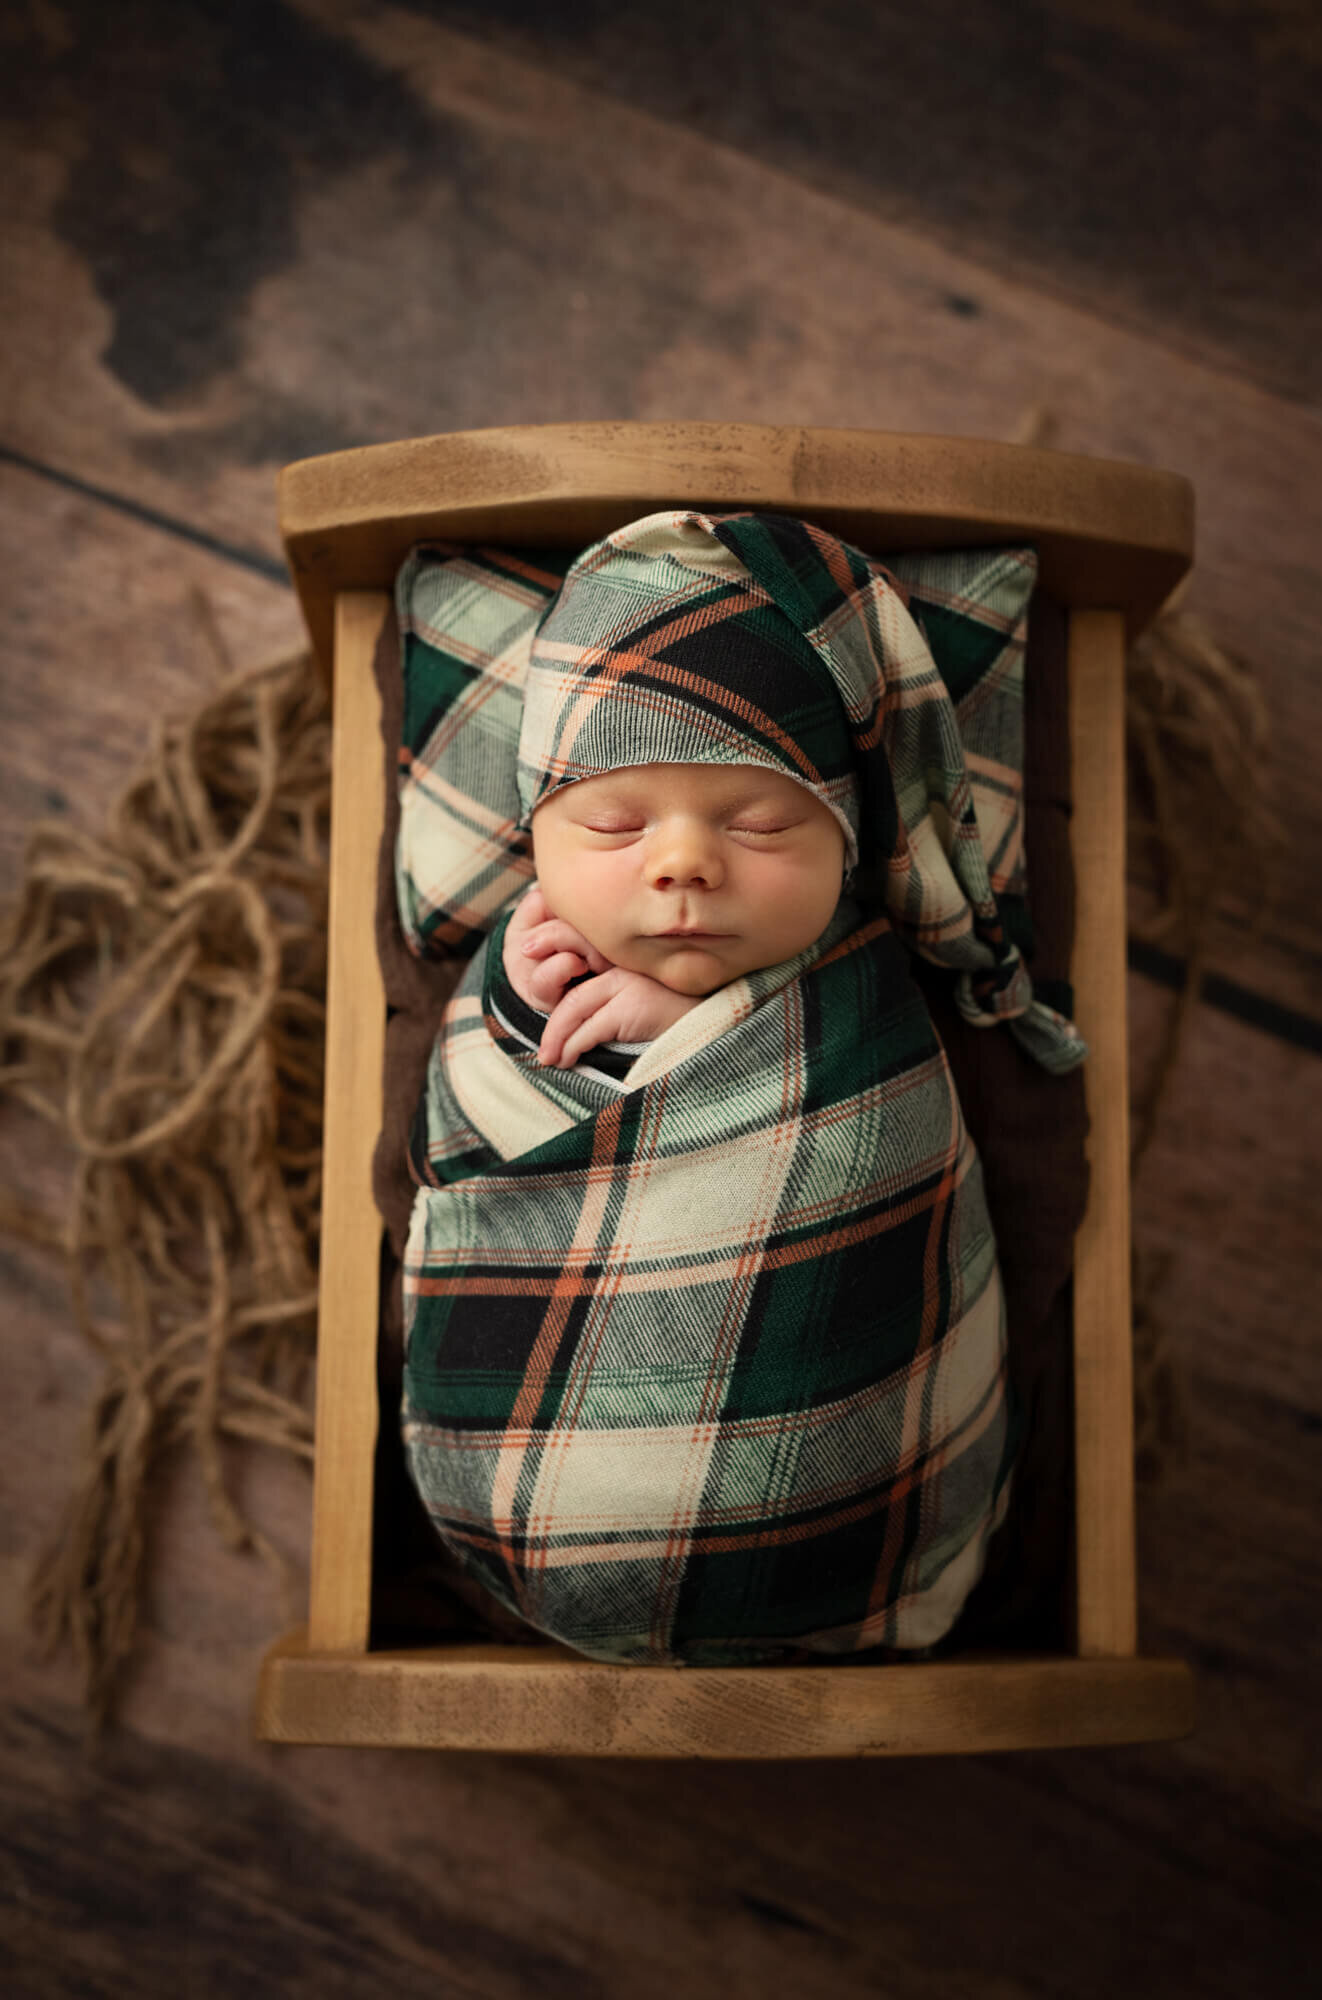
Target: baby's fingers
(579, 1022)
(529, 911)
(600, 1027)
(549, 979)
(556, 935)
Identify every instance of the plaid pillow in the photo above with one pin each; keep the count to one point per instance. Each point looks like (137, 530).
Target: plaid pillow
(467, 619)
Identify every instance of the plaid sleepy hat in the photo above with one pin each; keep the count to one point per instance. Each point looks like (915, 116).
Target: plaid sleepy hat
(687, 638)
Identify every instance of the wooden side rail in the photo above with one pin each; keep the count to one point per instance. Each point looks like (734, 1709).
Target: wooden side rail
(1106, 1590)
(348, 1305)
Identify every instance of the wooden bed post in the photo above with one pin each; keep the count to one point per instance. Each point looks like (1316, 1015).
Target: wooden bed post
(340, 1598)
(1106, 1596)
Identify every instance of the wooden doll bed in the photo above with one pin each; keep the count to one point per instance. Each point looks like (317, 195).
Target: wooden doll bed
(1112, 542)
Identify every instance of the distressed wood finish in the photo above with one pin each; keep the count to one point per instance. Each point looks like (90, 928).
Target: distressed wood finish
(346, 1415)
(543, 1699)
(1106, 533)
(775, 285)
(496, 1698)
(1106, 1598)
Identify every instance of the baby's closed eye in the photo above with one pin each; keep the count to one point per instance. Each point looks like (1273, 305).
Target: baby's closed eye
(757, 827)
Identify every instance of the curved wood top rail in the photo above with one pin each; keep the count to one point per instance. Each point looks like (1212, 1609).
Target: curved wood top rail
(1109, 535)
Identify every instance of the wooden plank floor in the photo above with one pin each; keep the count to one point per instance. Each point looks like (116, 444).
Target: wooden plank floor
(241, 235)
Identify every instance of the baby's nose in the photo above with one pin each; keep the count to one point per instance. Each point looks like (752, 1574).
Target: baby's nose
(683, 874)
(683, 860)
(692, 878)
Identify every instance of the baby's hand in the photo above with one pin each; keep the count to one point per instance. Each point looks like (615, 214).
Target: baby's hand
(542, 953)
(618, 1006)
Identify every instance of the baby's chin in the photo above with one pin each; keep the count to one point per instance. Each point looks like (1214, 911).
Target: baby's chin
(695, 985)
(689, 969)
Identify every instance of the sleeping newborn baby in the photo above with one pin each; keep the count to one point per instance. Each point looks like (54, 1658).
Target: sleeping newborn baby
(705, 1347)
(659, 883)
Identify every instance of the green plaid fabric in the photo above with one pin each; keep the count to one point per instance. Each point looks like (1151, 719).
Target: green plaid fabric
(705, 1343)
(466, 620)
(706, 1365)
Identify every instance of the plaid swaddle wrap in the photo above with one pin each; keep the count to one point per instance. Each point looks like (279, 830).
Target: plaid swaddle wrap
(705, 1342)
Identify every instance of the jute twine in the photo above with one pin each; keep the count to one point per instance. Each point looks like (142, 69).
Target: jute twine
(162, 1009)
(1203, 831)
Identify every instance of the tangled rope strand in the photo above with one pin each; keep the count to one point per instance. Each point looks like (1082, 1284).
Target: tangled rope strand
(1202, 829)
(162, 1004)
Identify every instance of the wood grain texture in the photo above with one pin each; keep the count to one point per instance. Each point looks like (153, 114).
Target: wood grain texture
(242, 236)
(507, 1699)
(163, 1870)
(1118, 535)
(1105, 1591)
(351, 1229)
(108, 623)
(1190, 137)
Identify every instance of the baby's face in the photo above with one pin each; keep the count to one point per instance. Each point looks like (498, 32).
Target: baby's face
(745, 860)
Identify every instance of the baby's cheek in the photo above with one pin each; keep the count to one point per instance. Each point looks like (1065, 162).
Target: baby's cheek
(808, 878)
(796, 898)
(594, 893)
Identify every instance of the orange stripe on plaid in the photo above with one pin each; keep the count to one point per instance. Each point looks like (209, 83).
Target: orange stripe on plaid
(833, 1508)
(617, 663)
(748, 1265)
(913, 1423)
(803, 1423)
(559, 1301)
(673, 1276)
